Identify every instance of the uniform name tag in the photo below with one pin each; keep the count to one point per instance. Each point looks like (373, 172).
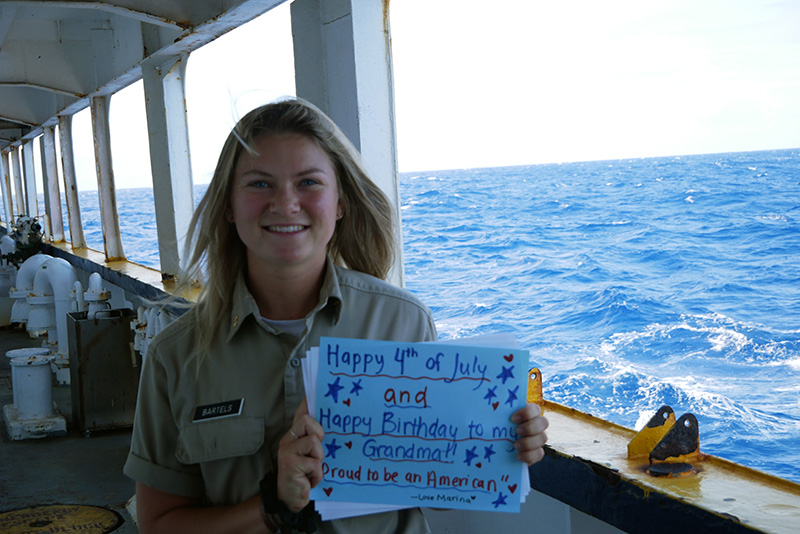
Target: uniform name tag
(220, 409)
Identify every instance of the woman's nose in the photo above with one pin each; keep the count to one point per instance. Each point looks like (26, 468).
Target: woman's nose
(284, 201)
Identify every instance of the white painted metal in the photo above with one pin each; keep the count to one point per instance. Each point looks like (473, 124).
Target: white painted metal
(52, 298)
(32, 382)
(53, 190)
(6, 17)
(5, 183)
(25, 352)
(23, 286)
(165, 101)
(29, 173)
(8, 275)
(18, 189)
(105, 179)
(45, 223)
(70, 183)
(343, 64)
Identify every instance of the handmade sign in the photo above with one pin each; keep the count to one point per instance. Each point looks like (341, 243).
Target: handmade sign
(420, 424)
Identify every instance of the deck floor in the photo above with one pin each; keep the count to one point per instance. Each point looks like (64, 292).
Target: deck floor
(63, 470)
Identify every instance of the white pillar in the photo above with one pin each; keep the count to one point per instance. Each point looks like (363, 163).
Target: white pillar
(109, 218)
(343, 64)
(46, 230)
(5, 183)
(52, 190)
(31, 200)
(167, 125)
(18, 189)
(70, 183)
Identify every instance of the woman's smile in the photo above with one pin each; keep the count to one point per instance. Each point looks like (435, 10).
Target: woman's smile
(286, 229)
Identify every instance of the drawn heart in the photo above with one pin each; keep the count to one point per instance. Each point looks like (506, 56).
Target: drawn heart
(513, 488)
(327, 491)
(509, 357)
(495, 405)
(347, 402)
(478, 465)
(349, 444)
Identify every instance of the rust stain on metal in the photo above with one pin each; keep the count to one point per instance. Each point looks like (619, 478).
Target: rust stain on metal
(681, 443)
(386, 17)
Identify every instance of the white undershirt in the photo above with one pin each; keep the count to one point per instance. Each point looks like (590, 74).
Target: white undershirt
(294, 327)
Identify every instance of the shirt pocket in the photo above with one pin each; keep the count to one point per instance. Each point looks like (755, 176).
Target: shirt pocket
(217, 440)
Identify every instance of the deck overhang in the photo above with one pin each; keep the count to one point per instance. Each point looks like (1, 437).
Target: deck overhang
(56, 55)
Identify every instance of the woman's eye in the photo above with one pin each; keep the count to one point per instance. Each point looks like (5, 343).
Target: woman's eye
(259, 184)
(309, 181)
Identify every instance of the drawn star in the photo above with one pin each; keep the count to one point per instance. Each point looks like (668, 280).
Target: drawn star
(333, 390)
(501, 499)
(506, 373)
(470, 456)
(356, 388)
(490, 394)
(332, 448)
(512, 396)
(488, 453)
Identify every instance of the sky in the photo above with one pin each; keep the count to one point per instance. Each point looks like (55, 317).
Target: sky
(517, 82)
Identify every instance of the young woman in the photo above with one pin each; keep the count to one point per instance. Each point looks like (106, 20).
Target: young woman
(293, 240)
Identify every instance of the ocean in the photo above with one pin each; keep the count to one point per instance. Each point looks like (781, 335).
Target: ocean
(633, 283)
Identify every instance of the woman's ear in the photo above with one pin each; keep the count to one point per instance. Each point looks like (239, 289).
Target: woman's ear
(340, 212)
(229, 214)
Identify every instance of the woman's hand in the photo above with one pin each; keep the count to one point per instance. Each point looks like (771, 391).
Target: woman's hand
(300, 459)
(531, 425)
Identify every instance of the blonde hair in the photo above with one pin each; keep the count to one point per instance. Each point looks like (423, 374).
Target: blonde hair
(363, 239)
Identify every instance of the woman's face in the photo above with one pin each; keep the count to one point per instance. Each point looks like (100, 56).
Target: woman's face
(285, 204)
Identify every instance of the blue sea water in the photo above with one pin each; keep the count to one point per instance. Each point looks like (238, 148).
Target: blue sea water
(633, 283)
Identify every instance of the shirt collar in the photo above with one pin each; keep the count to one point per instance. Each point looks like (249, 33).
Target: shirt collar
(244, 304)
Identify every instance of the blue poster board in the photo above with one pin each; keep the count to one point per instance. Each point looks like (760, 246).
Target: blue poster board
(420, 424)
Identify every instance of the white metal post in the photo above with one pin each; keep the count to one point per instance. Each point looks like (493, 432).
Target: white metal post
(109, 218)
(70, 182)
(165, 101)
(343, 64)
(5, 182)
(46, 227)
(31, 198)
(19, 190)
(52, 190)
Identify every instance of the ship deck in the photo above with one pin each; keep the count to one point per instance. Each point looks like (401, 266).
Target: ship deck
(68, 470)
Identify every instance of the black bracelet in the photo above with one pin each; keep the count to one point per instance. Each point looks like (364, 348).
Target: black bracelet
(302, 521)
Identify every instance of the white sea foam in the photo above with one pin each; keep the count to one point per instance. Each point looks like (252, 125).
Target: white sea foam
(644, 418)
(793, 364)
(724, 338)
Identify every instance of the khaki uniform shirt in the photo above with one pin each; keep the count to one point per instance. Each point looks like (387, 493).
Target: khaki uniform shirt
(209, 427)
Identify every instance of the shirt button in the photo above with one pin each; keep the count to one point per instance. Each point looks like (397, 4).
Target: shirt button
(295, 362)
